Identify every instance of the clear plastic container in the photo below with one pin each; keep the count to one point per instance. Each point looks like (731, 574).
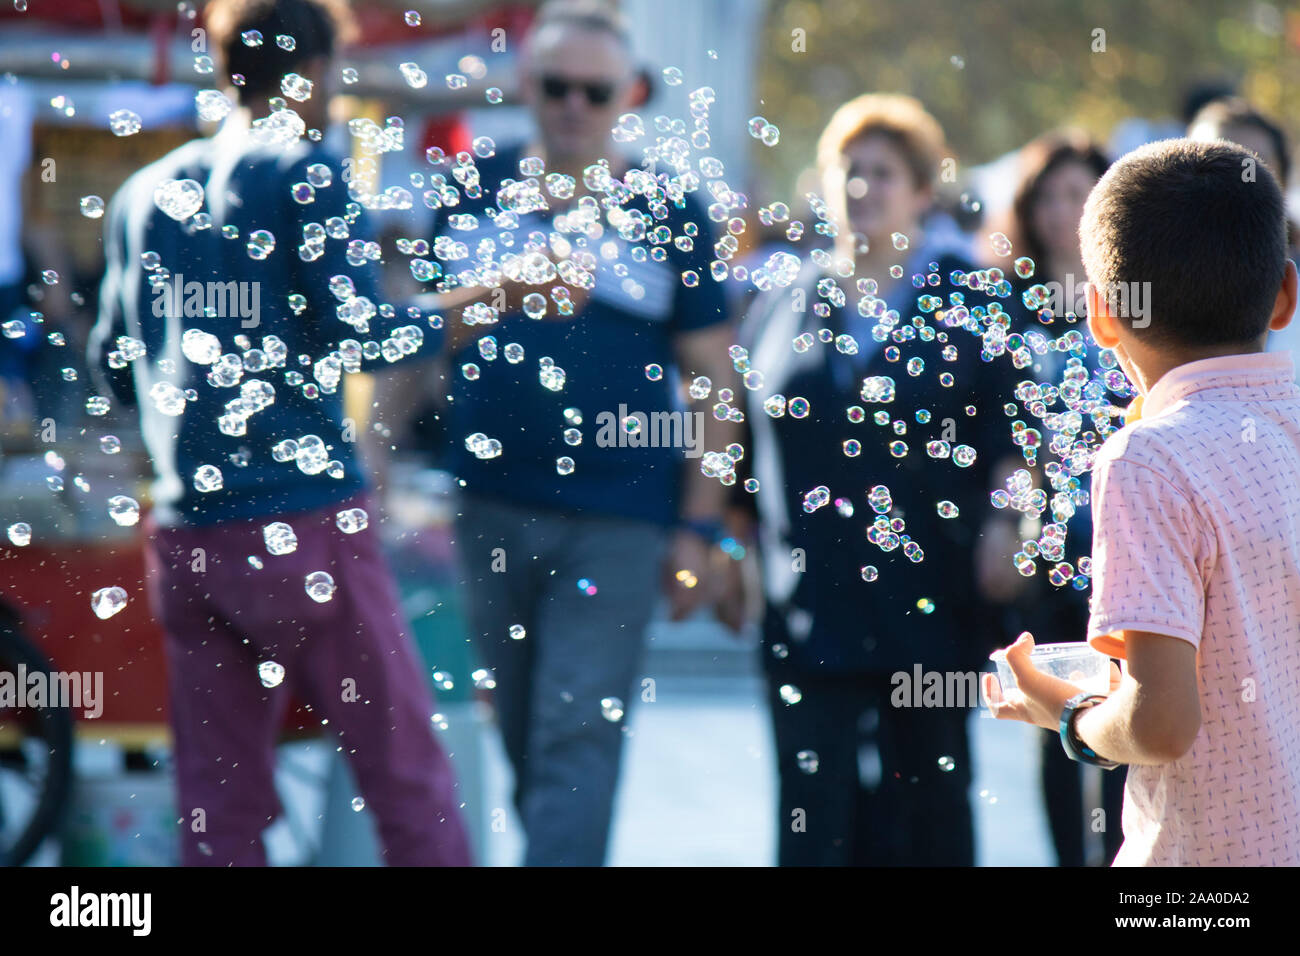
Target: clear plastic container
(1078, 663)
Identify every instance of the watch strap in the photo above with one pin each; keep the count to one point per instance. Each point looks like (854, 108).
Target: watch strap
(1074, 746)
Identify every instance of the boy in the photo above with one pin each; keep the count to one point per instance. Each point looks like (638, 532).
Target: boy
(1197, 514)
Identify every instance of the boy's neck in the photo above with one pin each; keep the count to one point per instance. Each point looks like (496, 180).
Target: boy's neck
(1147, 366)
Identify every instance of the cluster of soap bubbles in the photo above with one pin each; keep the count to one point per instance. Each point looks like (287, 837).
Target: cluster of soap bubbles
(1061, 423)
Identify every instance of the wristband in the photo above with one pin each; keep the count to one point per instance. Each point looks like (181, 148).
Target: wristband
(1075, 748)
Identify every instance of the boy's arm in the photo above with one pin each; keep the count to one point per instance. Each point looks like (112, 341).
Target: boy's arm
(1155, 714)
(1152, 717)
(1151, 554)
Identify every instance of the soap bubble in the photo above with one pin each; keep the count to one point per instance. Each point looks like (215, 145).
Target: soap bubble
(124, 122)
(320, 586)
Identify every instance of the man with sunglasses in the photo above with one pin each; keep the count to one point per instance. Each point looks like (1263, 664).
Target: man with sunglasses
(565, 562)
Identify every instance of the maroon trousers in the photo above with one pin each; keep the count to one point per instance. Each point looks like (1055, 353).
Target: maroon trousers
(349, 658)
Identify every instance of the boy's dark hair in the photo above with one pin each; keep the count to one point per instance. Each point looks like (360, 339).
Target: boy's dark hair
(316, 27)
(1205, 225)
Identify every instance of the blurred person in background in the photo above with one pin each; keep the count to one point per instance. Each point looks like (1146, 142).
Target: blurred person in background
(1136, 131)
(566, 536)
(1235, 120)
(241, 636)
(845, 617)
(1057, 172)
(17, 346)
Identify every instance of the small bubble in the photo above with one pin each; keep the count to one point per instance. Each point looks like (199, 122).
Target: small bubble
(270, 673)
(108, 601)
(208, 478)
(123, 510)
(320, 586)
(124, 122)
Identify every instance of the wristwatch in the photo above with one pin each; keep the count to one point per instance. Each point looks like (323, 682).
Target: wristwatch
(1075, 748)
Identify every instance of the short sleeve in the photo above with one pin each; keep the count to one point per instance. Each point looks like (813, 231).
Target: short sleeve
(1151, 552)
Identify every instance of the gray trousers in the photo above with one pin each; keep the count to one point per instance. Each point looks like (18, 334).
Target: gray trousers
(578, 649)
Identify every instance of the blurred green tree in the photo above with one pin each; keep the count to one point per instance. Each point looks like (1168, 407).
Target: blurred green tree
(997, 73)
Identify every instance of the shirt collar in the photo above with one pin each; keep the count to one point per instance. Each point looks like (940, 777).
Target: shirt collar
(1259, 375)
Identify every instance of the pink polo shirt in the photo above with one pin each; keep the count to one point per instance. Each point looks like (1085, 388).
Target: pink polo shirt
(1196, 508)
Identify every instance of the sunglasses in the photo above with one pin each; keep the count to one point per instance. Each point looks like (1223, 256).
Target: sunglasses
(557, 88)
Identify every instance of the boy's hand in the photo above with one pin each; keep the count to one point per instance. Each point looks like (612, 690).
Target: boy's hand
(1038, 698)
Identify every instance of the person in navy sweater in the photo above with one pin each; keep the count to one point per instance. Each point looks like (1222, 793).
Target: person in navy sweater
(880, 553)
(233, 304)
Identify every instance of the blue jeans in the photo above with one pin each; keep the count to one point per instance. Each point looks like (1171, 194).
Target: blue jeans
(578, 649)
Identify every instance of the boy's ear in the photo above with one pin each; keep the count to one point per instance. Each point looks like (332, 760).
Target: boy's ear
(1284, 305)
(1102, 325)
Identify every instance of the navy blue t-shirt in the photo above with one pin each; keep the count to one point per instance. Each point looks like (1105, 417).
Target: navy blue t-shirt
(635, 312)
(247, 187)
